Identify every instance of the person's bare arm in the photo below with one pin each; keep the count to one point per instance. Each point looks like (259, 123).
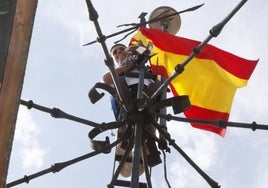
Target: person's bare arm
(107, 78)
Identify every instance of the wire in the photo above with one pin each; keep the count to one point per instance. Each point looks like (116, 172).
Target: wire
(165, 169)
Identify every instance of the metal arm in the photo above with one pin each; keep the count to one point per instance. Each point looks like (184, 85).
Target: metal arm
(209, 180)
(217, 123)
(93, 16)
(57, 113)
(135, 26)
(59, 166)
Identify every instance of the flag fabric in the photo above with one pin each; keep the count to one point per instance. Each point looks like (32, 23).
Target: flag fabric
(210, 79)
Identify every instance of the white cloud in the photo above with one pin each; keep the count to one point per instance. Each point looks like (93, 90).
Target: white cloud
(78, 24)
(199, 145)
(30, 152)
(183, 176)
(32, 156)
(262, 180)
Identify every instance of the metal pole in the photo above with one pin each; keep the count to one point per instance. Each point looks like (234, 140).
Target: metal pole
(136, 158)
(93, 16)
(138, 136)
(217, 123)
(57, 167)
(137, 25)
(171, 141)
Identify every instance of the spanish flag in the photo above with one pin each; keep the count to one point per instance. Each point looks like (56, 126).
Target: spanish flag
(210, 79)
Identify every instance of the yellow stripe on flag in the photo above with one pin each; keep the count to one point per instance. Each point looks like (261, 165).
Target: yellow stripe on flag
(198, 81)
(210, 79)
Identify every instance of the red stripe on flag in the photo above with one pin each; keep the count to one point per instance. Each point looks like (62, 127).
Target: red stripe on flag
(170, 45)
(240, 67)
(196, 112)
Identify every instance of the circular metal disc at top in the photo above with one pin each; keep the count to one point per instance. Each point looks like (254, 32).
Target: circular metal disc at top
(170, 24)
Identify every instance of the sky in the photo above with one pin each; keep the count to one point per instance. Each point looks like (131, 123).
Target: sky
(61, 71)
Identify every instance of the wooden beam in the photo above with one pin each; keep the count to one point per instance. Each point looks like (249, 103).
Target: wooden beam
(13, 76)
(7, 12)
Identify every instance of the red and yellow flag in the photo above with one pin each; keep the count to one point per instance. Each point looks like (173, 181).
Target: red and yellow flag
(210, 79)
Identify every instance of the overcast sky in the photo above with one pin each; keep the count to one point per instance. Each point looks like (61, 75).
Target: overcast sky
(60, 72)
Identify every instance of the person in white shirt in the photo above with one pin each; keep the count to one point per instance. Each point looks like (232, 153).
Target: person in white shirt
(120, 55)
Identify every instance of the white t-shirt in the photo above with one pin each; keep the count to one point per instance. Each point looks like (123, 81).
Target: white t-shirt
(131, 80)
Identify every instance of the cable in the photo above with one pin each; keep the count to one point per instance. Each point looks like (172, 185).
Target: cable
(165, 169)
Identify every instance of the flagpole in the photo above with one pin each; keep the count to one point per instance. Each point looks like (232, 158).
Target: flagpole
(214, 32)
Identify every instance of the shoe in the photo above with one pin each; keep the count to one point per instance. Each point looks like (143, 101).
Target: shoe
(126, 170)
(119, 150)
